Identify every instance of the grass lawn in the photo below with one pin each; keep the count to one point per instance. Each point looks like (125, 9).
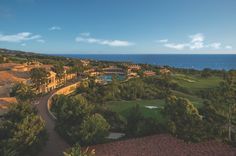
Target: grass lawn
(196, 101)
(195, 84)
(123, 107)
(192, 83)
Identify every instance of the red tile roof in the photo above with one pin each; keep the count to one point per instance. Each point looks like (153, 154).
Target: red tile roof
(163, 145)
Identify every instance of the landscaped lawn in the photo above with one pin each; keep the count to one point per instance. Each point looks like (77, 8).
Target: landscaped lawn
(192, 83)
(196, 101)
(195, 84)
(123, 107)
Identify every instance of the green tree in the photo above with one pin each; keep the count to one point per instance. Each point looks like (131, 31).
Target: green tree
(28, 136)
(22, 132)
(206, 73)
(228, 92)
(93, 129)
(59, 70)
(17, 112)
(214, 120)
(184, 118)
(1, 59)
(22, 92)
(133, 120)
(39, 77)
(84, 86)
(70, 113)
(77, 151)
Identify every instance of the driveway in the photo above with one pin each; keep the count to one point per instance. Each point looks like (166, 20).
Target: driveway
(55, 144)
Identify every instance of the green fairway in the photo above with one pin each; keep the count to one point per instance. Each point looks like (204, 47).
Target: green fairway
(194, 84)
(123, 107)
(196, 101)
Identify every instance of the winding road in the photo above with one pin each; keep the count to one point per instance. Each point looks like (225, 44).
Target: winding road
(55, 144)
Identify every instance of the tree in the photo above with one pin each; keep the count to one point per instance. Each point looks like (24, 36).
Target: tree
(77, 151)
(22, 131)
(133, 119)
(206, 73)
(17, 112)
(1, 59)
(228, 92)
(213, 119)
(184, 119)
(93, 129)
(116, 121)
(70, 113)
(29, 135)
(77, 68)
(84, 86)
(76, 121)
(39, 77)
(22, 92)
(59, 70)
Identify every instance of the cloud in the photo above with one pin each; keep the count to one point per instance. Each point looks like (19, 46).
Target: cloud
(228, 47)
(175, 46)
(20, 37)
(215, 45)
(41, 41)
(197, 38)
(197, 41)
(162, 41)
(54, 28)
(196, 45)
(112, 43)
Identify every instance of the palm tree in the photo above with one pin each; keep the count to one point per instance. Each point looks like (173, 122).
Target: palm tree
(39, 77)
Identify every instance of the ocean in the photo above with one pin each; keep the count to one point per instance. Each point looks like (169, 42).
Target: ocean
(199, 62)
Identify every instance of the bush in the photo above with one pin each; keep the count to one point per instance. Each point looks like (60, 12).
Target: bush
(93, 129)
(22, 131)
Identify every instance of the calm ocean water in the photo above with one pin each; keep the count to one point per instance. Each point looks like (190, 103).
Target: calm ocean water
(226, 62)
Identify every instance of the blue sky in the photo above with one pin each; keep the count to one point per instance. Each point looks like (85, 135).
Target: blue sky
(119, 26)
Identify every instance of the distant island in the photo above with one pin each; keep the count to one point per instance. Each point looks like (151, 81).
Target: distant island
(58, 105)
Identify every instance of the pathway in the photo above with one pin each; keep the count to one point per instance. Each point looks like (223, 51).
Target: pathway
(55, 144)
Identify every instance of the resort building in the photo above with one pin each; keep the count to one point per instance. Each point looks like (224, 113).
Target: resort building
(95, 73)
(89, 70)
(26, 67)
(132, 75)
(20, 68)
(113, 70)
(51, 84)
(67, 74)
(85, 62)
(165, 71)
(149, 73)
(12, 73)
(134, 67)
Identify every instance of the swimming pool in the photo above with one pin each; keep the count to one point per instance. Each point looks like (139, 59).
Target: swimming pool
(108, 78)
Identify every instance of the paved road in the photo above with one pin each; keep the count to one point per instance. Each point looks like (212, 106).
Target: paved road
(55, 144)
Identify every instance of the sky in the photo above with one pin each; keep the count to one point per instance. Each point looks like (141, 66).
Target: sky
(119, 26)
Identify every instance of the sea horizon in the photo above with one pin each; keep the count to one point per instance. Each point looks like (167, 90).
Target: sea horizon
(190, 61)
